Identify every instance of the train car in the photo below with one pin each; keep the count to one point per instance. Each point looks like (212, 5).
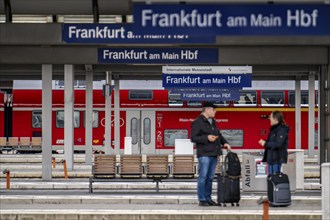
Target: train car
(154, 118)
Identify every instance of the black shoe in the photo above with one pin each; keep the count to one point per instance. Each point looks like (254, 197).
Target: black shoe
(204, 203)
(211, 202)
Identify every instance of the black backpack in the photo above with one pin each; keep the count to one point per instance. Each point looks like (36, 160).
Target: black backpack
(232, 165)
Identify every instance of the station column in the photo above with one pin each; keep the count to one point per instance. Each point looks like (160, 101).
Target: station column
(47, 122)
(89, 118)
(327, 113)
(107, 138)
(311, 115)
(117, 120)
(324, 114)
(298, 113)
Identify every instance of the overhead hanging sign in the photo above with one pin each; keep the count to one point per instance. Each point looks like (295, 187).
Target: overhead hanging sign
(238, 19)
(122, 34)
(207, 76)
(157, 55)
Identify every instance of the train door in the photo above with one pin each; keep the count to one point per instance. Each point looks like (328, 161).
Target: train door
(140, 125)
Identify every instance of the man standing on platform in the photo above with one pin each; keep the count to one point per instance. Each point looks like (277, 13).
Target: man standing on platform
(205, 134)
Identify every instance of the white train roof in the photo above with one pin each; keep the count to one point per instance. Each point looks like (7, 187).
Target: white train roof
(157, 84)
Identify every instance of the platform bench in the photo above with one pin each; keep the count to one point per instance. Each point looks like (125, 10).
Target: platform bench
(131, 169)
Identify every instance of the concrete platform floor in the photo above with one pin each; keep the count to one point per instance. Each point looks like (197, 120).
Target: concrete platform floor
(78, 204)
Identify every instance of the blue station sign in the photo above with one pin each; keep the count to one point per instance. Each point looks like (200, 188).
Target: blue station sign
(207, 76)
(157, 55)
(208, 94)
(238, 19)
(122, 34)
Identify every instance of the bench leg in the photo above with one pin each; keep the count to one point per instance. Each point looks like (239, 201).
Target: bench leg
(157, 186)
(90, 185)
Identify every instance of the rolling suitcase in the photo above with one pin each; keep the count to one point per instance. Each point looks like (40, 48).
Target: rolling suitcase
(229, 185)
(228, 190)
(278, 190)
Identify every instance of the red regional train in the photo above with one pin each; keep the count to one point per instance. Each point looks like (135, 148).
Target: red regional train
(154, 118)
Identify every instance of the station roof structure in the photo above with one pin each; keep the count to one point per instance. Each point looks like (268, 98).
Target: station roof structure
(30, 35)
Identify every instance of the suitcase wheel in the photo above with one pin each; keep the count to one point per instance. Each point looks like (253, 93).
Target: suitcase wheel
(224, 205)
(237, 204)
(232, 204)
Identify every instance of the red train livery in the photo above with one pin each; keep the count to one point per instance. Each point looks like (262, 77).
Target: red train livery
(155, 118)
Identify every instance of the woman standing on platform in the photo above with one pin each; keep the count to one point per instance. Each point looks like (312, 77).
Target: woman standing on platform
(276, 145)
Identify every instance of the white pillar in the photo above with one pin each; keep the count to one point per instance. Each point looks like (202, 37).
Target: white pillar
(298, 113)
(325, 169)
(107, 128)
(117, 117)
(89, 118)
(68, 115)
(311, 114)
(46, 122)
(319, 119)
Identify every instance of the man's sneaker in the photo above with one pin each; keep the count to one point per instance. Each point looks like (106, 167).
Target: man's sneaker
(204, 203)
(211, 202)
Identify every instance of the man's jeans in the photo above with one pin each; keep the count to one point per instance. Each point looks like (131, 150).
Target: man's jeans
(206, 170)
(274, 168)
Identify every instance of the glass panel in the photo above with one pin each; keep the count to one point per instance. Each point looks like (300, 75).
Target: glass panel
(316, 140)
(174, 99)
(146, 131)
(171, 135)
(76, 121)
(221, 103)
(81, 83)
(140, 95)
(60, 119)
(134, 130)
(247, 98)
(95, 122)
(234, 137)
(304, 98)
(272, 98)
(194, 103)
(36, 119)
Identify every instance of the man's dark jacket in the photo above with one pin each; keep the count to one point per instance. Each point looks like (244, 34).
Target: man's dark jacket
(276, 146)
(200, 129)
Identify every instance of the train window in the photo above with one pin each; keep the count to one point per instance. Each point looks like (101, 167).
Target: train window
(174, 99)
(194, 103)
(76, 84)
(221, 103)
(304, 98)
(171, 134)
(95, 122)
(140, 94)
(247, 98)
(134, 130)
(146, 131)
(36, 119)
(234, 137)
(316, 138)
(272, 98)
(60, 119)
